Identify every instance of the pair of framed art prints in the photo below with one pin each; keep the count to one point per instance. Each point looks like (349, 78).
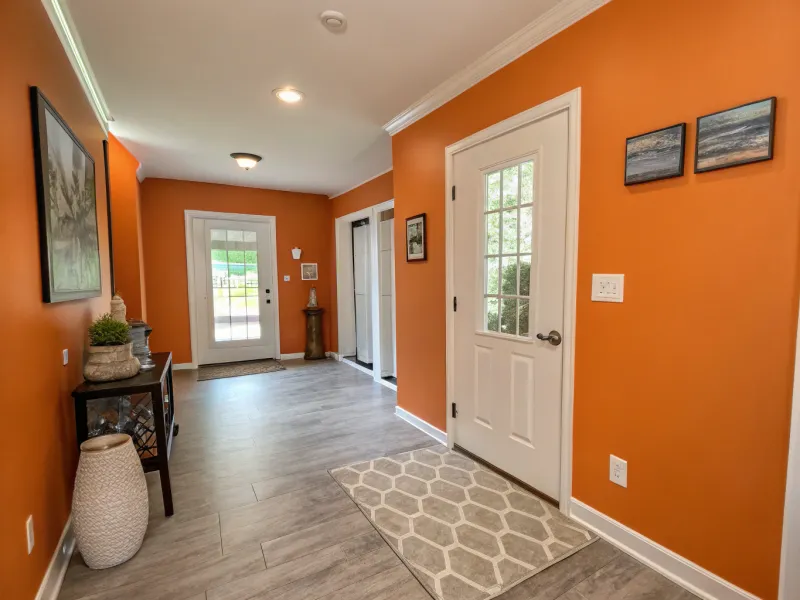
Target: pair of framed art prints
(729, 138)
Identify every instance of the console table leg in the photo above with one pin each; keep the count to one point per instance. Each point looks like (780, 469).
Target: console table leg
(163, 455)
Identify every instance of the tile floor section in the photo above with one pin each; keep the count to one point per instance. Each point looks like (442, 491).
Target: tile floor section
(257, 516)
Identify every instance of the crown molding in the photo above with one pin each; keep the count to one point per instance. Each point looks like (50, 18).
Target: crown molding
(358, 185)
(554, 21)
(68, 34)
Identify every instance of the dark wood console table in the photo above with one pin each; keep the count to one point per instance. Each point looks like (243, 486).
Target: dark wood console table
(149, 411)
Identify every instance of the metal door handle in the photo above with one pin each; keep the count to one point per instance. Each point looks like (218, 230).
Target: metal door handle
(553, 337)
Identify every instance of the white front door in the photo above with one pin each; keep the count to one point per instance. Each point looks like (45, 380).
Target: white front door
(234, 290)
(509, 272)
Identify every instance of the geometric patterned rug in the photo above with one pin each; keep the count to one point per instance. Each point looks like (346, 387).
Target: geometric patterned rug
(464, 531)
(237, 369)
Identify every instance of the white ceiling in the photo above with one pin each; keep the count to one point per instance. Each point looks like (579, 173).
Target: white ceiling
(189, 81)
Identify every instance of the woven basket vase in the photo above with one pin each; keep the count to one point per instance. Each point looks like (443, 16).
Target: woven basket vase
(110, 505)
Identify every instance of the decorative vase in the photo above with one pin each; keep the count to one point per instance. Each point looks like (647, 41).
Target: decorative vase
(110, 505)
(118, 309)
(110, 363)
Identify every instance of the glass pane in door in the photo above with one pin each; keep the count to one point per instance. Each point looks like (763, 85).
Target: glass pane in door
(234, 283)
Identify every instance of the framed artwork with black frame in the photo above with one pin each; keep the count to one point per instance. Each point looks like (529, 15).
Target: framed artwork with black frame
(655, 155)
(67, 199)
(416, 238)
(737, 136)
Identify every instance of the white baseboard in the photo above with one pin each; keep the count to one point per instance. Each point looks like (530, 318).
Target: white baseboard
(685, 573)
(292, 356)
(387, 384)
(425, 427)
(355, 365)
(54, 576)
(184, 367)
(334, 356)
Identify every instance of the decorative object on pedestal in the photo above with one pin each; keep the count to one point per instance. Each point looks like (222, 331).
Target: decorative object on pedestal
(140, 349)
(118, 309)
(312, 297)
(110, 355)
(315, 349)
(296, 253)
(110, 506)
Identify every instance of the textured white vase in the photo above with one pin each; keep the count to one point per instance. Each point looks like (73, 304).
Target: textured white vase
(109, 506)
(110, 363)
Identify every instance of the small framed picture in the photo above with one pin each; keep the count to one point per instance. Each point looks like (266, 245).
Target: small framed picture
(416, 238)
(737, 136)
(655, 155)
(308, 271)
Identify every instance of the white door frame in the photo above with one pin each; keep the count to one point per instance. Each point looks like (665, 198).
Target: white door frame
(570, 102)
(344, 276)
(189, 217)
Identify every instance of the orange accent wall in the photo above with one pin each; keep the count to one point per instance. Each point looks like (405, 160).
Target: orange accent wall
(302, 220)
(368, 194)
(38, 448)
(690, 378)
(126, 224)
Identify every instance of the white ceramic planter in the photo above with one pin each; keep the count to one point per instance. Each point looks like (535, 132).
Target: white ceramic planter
(110, 363)
(110, 505)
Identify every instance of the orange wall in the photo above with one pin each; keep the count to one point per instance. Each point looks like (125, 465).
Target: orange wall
(690, 378)
(126, 223)
(302, 220)
(38, 448)
(368, 194)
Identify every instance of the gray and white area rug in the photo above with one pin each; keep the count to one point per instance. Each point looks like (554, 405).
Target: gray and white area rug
(466, 532)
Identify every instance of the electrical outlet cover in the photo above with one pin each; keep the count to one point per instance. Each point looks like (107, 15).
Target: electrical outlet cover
(618, 471)
(64, 356)
(607, 288)
(29, 532)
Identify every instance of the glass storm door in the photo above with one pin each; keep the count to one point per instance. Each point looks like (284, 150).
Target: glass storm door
(234, 292)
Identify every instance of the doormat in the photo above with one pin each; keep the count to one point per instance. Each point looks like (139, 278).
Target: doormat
(238, 369)
(464, 531)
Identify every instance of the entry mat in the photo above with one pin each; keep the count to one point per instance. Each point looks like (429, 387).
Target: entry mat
(237, 369)
(464, 531)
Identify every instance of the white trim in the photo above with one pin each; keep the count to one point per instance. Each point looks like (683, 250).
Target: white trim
(293, 356)
(388, 384)
(425, 427)
(184, 366)
(71, 41)
(389, 170)
(685, 573)
(334, 355)
(789, 586)
(557, 19)
(57, 569)
(357, 366)
(571, 102)
(188, 217)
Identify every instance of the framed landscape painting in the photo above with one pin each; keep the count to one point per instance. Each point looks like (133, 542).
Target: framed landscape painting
(737, 136)
(655, 155)
(65, 186)
(416, 239)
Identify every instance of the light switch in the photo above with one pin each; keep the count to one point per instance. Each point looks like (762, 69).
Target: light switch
(607, 288)
(64, 356)
(286, 278)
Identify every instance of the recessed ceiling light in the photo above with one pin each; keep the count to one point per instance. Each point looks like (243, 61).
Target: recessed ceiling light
(246, 160)
(333, 21)
(289, 95)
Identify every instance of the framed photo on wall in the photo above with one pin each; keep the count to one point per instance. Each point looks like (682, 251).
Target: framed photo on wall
(416, 238)
(308, 271)
(655, 155)
(65, 188)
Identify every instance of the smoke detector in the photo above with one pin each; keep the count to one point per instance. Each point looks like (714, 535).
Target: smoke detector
(333, 21)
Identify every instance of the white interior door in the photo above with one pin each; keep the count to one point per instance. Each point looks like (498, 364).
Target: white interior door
(234, 290)
(386, 268)
(509, 273)
(361, 283)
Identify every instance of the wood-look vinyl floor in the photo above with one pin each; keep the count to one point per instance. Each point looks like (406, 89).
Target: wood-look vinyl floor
(258, 517)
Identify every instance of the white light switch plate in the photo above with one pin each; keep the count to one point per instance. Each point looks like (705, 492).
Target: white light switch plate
(607, 288)
(618, 471)
(29, 533)
(286, 277)
(64, 356)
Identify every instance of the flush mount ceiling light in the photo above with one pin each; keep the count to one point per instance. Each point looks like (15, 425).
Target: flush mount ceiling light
(289, 95)
(245, 160)
(333, 21)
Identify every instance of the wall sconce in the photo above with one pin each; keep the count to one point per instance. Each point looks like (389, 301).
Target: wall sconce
(296, 252)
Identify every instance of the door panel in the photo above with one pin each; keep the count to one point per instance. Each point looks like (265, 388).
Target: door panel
(509, 250)
(361, 274)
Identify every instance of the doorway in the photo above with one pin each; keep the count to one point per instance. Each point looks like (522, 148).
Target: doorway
(232, 287)
(511, 275)
(361, 291)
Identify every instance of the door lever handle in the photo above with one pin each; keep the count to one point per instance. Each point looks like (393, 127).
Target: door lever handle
(554, 338)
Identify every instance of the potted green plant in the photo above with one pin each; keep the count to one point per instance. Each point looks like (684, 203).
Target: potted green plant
(110, 356)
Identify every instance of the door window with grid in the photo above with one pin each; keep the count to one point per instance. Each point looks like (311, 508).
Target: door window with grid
(234, 284)
(508, 221)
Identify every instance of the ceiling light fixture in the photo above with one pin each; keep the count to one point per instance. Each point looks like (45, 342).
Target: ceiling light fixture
(289, 95)
(246, 160)
(333, 21)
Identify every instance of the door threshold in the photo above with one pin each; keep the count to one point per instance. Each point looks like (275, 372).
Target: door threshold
(511, 478)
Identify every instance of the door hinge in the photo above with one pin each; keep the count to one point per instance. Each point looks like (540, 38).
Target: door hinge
(455, 304)
(454, 192)
(454, 410)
